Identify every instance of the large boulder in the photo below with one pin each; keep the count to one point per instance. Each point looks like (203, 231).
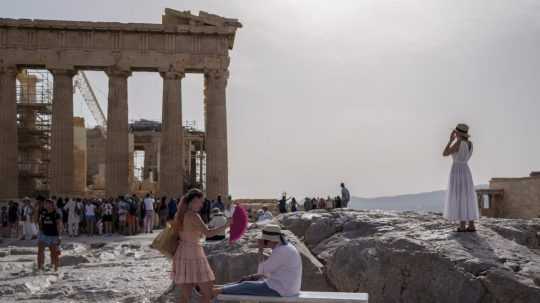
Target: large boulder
(411, 257)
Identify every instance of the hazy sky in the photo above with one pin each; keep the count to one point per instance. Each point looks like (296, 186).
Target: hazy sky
(364, 92)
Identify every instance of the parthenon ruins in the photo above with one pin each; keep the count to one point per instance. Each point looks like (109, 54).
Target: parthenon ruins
(183, 43)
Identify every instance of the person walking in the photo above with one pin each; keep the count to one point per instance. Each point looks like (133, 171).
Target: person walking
(345, 196)
(148, 214)
(50, 225)
(190, 264)
(461, 204)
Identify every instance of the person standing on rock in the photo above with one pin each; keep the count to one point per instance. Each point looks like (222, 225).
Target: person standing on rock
(345, 196)
(461, 204)
(282, 203)
(50, 225)
(190, 264)
(280, 275)
(294, 205)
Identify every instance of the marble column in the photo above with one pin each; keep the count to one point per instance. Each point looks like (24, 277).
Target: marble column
(117, 146)
(62, 158)
(171, 169)
(9, 172)
(217, 179)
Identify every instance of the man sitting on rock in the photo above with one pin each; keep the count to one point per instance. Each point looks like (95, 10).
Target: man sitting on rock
(278, 276)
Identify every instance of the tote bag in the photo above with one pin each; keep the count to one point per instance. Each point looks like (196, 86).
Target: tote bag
(166, 241)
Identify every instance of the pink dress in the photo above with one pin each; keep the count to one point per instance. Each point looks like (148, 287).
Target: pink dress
(190, 264)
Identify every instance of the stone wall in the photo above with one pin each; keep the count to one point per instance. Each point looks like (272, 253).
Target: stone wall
(521, 197)
(95, 152)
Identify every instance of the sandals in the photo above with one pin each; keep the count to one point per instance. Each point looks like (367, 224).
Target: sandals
(470, 229)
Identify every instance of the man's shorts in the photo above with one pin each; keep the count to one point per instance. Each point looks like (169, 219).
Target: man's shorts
(48, 240)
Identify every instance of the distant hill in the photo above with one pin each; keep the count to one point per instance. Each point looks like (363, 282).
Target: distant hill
(427, 201)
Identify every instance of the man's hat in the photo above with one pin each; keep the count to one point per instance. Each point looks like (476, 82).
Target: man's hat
(271, 233)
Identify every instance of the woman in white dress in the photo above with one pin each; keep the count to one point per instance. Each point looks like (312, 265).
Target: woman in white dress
(461, 204)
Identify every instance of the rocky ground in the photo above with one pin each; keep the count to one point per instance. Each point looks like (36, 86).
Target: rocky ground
(394, 256)
(411, 257)
(98, 269)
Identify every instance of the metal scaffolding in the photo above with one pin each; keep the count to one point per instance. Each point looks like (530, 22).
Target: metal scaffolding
(34, 110)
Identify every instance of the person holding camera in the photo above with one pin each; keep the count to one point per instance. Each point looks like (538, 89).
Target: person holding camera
(279, 275)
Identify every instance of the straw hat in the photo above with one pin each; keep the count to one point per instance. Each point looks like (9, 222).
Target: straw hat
(463, 129)
(271, 233)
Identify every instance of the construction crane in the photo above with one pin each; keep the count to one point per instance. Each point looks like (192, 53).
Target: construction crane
(83, 85)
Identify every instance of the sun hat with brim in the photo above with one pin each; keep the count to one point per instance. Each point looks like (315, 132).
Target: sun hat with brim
(215, 211)
(271, 232)
(463, 129)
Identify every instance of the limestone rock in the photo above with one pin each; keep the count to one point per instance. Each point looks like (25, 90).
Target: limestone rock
(411, 257)
(22, 251)
(71, 260)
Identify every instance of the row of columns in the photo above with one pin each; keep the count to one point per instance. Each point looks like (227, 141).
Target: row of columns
(61, 166)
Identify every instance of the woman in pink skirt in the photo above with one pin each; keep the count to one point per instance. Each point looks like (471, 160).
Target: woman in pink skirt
(190, 264)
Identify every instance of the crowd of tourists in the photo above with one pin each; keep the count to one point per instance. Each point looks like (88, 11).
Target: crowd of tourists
(125, 215)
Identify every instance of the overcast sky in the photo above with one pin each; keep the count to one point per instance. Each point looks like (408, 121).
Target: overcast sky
(364, 92)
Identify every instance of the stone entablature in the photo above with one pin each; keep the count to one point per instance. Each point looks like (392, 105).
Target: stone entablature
(194, 47)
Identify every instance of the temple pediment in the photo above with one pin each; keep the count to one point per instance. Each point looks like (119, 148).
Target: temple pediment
(176, 17)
